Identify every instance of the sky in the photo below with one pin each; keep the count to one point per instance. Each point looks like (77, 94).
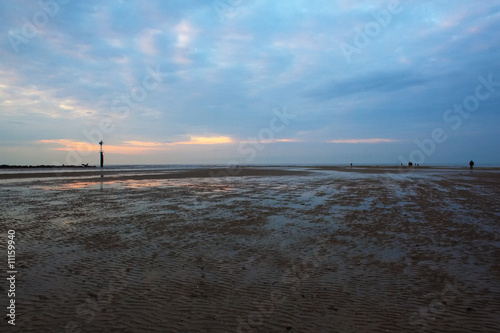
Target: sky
(249, 82)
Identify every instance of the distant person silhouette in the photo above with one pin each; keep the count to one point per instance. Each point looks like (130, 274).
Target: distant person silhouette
(471, 164)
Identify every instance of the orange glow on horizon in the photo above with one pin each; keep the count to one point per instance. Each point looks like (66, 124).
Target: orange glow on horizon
(72, 145)
(204, 140)
(288, 140)
(143, 143)
(132, 147)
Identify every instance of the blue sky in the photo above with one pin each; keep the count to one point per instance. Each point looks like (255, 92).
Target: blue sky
(249, 81)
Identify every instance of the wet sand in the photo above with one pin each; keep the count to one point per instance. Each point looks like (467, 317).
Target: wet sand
(267, 250)
(157, 174)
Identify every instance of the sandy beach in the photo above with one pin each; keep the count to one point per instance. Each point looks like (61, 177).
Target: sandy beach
(292, 249)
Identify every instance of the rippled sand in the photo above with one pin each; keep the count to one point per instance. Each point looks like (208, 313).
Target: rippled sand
(324, 251)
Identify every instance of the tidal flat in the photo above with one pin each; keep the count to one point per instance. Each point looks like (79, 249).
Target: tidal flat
(291, 249)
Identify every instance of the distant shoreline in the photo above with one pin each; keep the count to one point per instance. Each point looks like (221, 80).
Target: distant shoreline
(204, 172)
(6, 166)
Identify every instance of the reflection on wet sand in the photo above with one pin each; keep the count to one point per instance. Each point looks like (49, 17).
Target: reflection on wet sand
(69, 186)
(109, 182)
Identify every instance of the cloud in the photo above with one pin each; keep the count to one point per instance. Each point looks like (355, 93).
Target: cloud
(143, 144)
(131, 147)
(374, 82)
(374, 140)
(287, 140)
(147, 42)
(203, 140)
(64, 144)
(263, 141)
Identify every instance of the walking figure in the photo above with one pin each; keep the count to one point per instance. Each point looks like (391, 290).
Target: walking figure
(471, 164)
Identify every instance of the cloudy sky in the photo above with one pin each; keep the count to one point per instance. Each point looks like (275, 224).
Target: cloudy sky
(249, 81)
